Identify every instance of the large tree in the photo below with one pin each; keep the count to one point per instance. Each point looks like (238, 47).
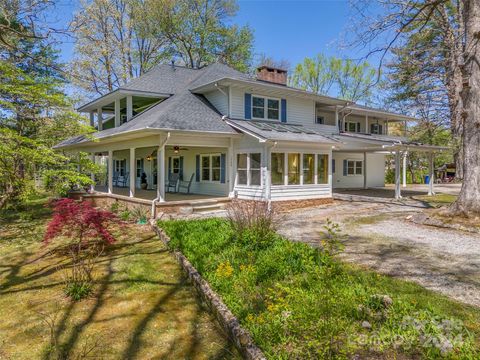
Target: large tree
(447, 32)
(334, 76)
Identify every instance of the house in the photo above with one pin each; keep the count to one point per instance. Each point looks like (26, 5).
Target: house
(228, 134)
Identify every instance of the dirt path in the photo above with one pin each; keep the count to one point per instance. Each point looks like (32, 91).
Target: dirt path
(443, 260)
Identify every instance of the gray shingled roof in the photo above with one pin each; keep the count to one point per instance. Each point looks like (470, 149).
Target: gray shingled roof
(281, 132)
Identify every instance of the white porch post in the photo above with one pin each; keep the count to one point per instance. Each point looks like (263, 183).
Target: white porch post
(365, 170)
(100, 119)
(92, 174)
(386, 127)
(129, 107)
(161, 172)
(110, 172)
(366, 125)
(398, 194)
(404, 169)
(231, 178)
(431, 174)
(117, 112)
(92, 119)
(132, 172)
(268, 174)
(336, 119)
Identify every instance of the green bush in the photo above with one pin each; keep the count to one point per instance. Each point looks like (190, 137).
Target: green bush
(301, 303)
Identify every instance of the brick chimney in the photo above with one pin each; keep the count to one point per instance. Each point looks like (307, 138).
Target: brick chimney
(272, 75)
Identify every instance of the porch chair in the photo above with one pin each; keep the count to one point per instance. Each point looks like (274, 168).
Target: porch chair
(186, 185)
(115, 179)
(123, 180)
(172, 182)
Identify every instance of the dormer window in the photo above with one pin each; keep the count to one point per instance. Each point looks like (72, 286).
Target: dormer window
(265, 108)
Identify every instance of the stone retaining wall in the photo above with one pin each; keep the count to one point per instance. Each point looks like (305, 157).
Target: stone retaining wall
(241, 338)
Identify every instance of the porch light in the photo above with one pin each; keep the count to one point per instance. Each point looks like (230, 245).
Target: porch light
(176, 149)
(149, 157)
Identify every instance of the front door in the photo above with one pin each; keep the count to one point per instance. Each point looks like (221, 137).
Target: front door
(139, 172)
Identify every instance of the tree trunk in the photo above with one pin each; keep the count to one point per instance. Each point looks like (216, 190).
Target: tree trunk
(468, 202)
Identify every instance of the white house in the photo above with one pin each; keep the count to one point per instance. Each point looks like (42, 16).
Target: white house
(234, 135)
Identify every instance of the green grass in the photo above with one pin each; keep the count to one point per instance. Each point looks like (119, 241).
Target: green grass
(436, 200)
(140, 306)
(298, 304)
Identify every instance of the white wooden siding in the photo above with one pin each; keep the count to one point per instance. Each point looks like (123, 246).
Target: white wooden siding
(375, 171)
(301, 192)
(219, 100)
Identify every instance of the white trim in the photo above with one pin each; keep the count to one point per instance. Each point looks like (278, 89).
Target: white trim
(210, 173)
(265, 108)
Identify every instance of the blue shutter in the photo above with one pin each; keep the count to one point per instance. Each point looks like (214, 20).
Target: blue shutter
(380, 129)
(222, 168)
(248, 106)
(169, 166)
(284, 110)
(358, 127)
(197, 168)
(333, 166)
(345, 166)
(181, 168)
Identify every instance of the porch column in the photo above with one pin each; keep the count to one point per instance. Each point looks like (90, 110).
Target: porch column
(132, 173)
(336, 119)
(129, 107)
(161, 173)
(110, 172)
(430, 173)
(365, 170)
(92, 174)
(231, 178)
(100, 119)
(398, 194)
(386, 127)
(117, 112)
(404, 170)
(366, 125)
(92, 119)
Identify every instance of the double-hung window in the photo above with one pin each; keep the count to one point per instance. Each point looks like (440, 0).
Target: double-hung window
(354, 167)
(351, 126)
(249, 169)
(265, 108)
(210, 168)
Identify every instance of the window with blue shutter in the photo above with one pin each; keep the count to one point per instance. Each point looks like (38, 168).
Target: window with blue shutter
(345, 166)
(222, 168)
(358, 127)
(197, 168)
(248, 106)
(284, 110)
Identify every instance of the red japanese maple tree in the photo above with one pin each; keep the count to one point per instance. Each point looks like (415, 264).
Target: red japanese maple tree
(80, 222)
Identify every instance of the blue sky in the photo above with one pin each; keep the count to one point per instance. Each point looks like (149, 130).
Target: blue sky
(283, 29)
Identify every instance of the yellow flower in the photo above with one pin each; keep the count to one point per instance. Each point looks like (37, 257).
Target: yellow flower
(224, 270)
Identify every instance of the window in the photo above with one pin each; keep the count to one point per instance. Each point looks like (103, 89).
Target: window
(265, 108)
(242, 169)
(175, 165)
(255, 161)
(278, 168)
(354, 167)
(308, 168)
(376, 129)
(322, 169)
(119, 167)
(249, 169)
(352, 127)
(293, 169)
(216, 166)
(139, 167)
(210, 167)
(320, 120)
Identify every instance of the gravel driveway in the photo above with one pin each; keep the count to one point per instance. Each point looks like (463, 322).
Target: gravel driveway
(379, 236)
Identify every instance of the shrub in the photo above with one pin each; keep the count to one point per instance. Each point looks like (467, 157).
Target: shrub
(253, 222)
(86, 231)
(140, 214)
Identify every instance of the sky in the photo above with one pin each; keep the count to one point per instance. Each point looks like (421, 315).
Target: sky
(283, 29)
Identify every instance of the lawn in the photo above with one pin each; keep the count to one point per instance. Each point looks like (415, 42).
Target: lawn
(437, 200)
(300, 303)
(142, 307)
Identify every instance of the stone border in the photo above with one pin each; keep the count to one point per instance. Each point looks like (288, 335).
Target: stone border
(230, 324)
